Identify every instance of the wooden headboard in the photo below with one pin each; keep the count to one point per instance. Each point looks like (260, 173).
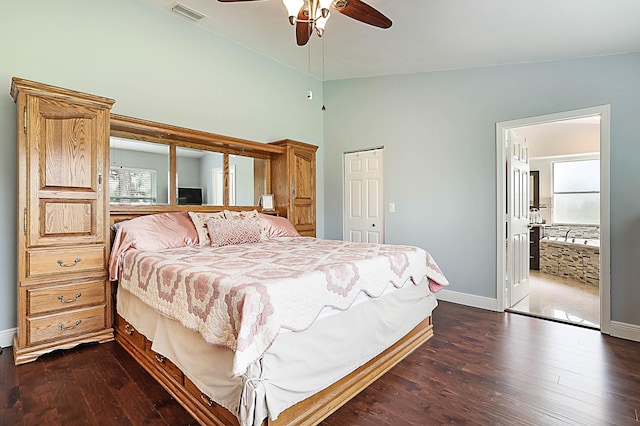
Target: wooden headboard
(288, 167)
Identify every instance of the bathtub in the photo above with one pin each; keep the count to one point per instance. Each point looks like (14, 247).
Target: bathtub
(573, 241)
(575, 258)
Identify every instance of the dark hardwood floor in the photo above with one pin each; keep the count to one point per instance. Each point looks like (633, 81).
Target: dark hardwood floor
(481, 367)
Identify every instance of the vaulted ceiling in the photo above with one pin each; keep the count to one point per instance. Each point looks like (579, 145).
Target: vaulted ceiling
(429, 35)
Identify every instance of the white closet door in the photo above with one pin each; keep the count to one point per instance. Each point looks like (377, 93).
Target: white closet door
(364, 201)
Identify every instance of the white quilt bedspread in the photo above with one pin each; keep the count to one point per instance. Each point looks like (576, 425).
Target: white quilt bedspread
(240, 296)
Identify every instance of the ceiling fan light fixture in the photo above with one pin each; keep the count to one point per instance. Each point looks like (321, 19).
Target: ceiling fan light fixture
(307, 15)
(321, 21)
(324, 7)
(293, 7)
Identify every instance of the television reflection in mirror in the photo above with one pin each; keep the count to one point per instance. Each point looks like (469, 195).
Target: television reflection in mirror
(189, 196)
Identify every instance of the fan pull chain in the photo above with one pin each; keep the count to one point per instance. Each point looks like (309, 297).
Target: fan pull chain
(323, 108)
(309, 92)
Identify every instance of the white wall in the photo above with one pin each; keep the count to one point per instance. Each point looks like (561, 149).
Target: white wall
(563, 138)
(157, 66)
(438, 131)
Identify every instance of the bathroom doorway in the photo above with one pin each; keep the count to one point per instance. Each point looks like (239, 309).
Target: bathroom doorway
(569, 222)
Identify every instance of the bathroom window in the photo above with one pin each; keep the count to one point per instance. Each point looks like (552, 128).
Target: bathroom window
(576, 192)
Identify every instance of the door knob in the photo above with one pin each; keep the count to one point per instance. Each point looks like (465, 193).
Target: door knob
(374, 225)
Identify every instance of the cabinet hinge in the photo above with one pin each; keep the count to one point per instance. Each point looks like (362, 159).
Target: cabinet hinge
(24, 222)
(24, 120)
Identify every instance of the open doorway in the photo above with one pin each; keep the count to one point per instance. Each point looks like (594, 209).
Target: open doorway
(568, 262)
(564, 222)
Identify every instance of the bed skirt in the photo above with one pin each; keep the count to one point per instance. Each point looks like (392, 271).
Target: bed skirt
(212, 396)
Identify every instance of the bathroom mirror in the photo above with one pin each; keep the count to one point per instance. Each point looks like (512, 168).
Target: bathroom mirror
(534, 189)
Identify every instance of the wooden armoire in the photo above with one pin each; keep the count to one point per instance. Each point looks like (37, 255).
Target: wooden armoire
(293, 182)
(64, 296)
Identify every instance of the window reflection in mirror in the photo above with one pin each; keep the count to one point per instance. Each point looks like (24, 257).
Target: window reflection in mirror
(139, 172)
(200, 177)
(247, 180)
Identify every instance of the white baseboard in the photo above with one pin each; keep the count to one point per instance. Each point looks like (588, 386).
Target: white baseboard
(468, 300)
(6, 337)
(625, 331)
(616, 329)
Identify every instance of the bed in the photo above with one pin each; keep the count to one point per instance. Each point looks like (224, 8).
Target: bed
(244, 322)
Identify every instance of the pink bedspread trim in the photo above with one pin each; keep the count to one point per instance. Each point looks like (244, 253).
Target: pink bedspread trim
(240, 296)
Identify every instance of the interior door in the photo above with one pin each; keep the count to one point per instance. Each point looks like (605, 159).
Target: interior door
(517, 217)
(364, 201)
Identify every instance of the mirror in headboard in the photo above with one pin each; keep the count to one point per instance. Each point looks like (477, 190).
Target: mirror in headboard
(191, 168)
(138, 173)
(247, 180)
(199, 172)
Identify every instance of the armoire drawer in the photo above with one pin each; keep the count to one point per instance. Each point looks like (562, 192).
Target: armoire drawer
(65, 324)
(65, 261)
(64, 297)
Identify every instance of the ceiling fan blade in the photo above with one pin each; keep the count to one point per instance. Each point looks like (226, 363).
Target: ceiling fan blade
(303, 29)
(362, 12)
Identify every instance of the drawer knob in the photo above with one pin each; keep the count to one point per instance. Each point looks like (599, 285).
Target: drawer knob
(63, 300)
(68, 265)
(160, 358)
(206, 400)
(63, 328)
(129, 329)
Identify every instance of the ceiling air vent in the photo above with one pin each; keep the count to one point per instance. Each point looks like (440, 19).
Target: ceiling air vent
(183, 10)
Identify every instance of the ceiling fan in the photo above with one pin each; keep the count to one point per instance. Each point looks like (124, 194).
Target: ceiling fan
(308, 15)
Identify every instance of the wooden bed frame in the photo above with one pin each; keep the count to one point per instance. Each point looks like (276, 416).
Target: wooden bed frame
(307, 412)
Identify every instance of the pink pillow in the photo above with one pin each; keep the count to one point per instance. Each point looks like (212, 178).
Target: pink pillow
(276, 226)
(200, 222)
(151, 232)
(224, 232)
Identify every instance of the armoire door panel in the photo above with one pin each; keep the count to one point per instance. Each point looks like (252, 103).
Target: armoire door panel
(66, 155)
(65, 172)
(64, 218)
(304, 173)
(303, 216)
(293, 178)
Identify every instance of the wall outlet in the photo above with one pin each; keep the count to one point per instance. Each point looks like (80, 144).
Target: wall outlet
(392, 207)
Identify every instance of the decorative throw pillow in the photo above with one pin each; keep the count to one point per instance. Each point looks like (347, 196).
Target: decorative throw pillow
(232, 214)
(224, 232)
(276, 226)
(199, 220)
